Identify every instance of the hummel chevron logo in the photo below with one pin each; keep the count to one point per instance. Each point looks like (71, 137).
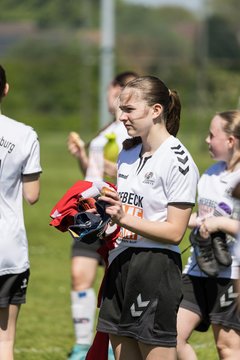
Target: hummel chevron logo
(183, 171)
(56, 214)
(227, 299)
(136, 311)
(176, 147)
(24, 284)
(179, 152)
(182, 159)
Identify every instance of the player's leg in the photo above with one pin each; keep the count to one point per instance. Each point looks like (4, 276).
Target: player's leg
(227, 342)
(83, 303)
(8, 320)
(83, 297)
(150, 352)
(225, 320)
(13, 288)
(125, 348)
(187, 321)
(192, 315)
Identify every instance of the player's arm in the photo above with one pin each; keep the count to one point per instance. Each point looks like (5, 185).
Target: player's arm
(76, 147)
(31, 188)
(170, 231)
(219, 223)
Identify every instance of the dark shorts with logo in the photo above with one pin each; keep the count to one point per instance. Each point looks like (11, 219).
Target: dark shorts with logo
(13, 288)
(141, 296)
(80, 249)
(213, 299)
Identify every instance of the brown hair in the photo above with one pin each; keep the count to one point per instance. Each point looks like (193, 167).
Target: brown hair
(155, 91)
(123, 78)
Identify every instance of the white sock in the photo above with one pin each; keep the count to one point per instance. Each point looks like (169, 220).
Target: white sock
(83, 314)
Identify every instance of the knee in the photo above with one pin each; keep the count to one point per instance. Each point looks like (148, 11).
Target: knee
(184, 349)
(80, 280)
(181, 343)
(82, 277)
(224, 351)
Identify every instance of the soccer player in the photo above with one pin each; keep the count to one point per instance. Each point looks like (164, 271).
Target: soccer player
(95, 165)
(156, 185)
(211, 300)
(19, 178)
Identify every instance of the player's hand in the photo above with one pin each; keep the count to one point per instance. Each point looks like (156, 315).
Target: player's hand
(114, 208)
(194, 221)
(75, 144)
(210, 225)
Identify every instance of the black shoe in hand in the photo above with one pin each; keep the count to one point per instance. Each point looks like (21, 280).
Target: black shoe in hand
(220, 248)
(204, 253)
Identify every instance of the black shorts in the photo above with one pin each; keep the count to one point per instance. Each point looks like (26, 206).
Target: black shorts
(213, 299)
(13, 288)
(141, 296)
(80, 249)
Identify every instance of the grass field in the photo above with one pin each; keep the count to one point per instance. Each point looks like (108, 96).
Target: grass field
(44, 328)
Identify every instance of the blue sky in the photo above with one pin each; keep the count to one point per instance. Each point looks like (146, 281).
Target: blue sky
(190, 4)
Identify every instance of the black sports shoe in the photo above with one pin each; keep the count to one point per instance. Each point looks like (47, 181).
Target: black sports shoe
(220, 248)
(204, 253)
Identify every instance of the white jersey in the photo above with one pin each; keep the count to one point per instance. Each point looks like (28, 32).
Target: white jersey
(214, 199)
(19, 155)
(148, 185)
(95, 170)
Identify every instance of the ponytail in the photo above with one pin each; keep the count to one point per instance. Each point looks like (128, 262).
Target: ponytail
(173, 113)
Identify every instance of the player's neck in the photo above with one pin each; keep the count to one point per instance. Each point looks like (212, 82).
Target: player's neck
(152, 143)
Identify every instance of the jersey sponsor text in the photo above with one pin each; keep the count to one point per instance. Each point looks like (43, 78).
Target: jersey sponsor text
(131, 198)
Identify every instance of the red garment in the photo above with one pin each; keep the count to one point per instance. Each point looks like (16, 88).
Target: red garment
(63, 212)
(65, 209)
(99, 348)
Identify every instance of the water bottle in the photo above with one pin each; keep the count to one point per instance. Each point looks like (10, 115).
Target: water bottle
(110, 152)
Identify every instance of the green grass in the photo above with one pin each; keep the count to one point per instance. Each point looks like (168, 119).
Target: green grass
(44, 328)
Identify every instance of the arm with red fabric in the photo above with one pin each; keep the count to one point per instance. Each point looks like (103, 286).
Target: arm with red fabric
(72, 213)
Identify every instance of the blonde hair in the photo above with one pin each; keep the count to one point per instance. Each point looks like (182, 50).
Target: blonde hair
(232, 127)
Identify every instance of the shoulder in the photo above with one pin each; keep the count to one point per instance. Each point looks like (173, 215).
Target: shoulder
(136, 149)
(115, 127)
(180, 156)
(101, 134)
(14, 124)
(177, 148)
(129, 155)
(216, 168)
(17, 132)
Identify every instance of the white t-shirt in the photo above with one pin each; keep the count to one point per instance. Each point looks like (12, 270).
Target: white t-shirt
(214, 195)
(148, 185)
(95, 170)
(19, 155)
